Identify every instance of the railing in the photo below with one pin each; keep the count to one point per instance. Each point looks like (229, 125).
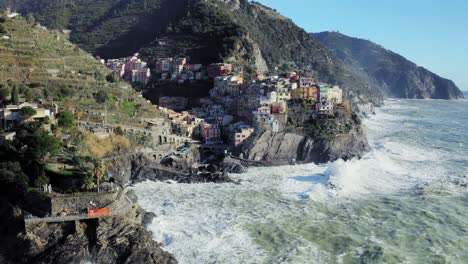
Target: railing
(34, 219)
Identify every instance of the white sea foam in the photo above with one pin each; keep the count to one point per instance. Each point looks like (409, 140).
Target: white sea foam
(208, 223)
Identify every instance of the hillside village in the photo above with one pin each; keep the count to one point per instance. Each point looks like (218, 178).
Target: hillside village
(236, 109)
(68, 119)
(77, 122)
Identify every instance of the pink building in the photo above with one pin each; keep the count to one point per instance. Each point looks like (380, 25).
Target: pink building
(278, 108)
(130, 69)
(219, 69)
(181, 61)
(210, 133)
(290, 75)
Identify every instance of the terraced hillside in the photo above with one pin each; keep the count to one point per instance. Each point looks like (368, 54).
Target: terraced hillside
(46, 65)
(240, 31)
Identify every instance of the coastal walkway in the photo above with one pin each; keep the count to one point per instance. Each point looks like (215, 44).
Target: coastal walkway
(58, 219)
(120, 206)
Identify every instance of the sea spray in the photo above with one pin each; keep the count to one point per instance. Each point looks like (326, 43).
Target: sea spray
(405, 201)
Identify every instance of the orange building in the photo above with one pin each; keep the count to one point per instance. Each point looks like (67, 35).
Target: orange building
(306, 93)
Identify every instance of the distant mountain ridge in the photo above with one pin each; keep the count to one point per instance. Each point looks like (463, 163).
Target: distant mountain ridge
(393, 74)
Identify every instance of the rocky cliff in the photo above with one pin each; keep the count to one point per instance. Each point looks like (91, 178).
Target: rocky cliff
(318, 141)
(393, 74)
(140, 167)
(106, 241)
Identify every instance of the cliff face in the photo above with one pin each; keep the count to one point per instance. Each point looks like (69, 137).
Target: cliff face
(394, 75)
(139, 168)
(320, 141)
(105, 241)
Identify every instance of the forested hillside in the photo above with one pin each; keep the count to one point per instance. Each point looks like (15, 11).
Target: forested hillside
(248, 33)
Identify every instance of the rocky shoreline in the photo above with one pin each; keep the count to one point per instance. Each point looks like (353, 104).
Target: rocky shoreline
(117, 239)
(125, 239)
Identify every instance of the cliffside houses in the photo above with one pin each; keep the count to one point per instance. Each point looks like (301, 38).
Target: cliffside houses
(240, 133)
(211, 133)
(132, 69)
(236, 109)
(178, 69)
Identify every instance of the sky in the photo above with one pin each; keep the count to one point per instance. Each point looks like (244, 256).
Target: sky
(431, 33)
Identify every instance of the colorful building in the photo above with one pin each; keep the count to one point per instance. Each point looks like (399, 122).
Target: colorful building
(131, 69)
(242, 133)
(323, 92)
(211, 133)
(306, 82)
(335, 94)
(219, 69)
(306, 93)
(324, 108)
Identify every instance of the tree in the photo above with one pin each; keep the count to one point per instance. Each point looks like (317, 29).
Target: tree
(28, 111)
(2, 29)
(45, 144)
(66, 119)
(14, 95)
(28, 95)
(112, 77)
(78, 115)
(30, 19)
(100, 171)
(4, 93)
(119, 131)
(101, 97)
(11, 172)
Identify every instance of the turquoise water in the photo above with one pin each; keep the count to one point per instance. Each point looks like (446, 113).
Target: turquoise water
(406, 201)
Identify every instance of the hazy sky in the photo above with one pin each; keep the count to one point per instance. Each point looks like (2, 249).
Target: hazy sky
(431, 33)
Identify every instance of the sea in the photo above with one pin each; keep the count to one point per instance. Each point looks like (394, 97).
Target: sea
(406, 201)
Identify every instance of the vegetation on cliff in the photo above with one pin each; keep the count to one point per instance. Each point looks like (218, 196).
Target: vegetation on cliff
(45, 66)
(41, 67)
(240, 31)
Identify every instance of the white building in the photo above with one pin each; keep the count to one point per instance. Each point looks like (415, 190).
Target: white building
(335, 94)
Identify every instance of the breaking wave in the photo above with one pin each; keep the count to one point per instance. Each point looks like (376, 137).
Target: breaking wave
(321, 213)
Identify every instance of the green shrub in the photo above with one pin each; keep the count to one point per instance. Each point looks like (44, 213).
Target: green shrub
(101, 97)
(45, 144)
(66, 119)
(28, 111)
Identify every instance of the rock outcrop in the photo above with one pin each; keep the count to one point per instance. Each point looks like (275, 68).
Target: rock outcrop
(330, 139)
(120, 239)
(138, 167)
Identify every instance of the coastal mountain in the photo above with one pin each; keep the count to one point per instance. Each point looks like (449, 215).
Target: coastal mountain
(393, 74)
(247, 33)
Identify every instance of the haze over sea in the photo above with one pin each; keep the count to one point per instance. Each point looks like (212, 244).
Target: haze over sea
(405, 202)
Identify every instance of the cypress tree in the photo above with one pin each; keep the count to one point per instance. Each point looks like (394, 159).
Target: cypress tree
(14, 96)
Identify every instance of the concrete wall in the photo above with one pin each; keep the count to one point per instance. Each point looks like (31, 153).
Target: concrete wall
(79, 204)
